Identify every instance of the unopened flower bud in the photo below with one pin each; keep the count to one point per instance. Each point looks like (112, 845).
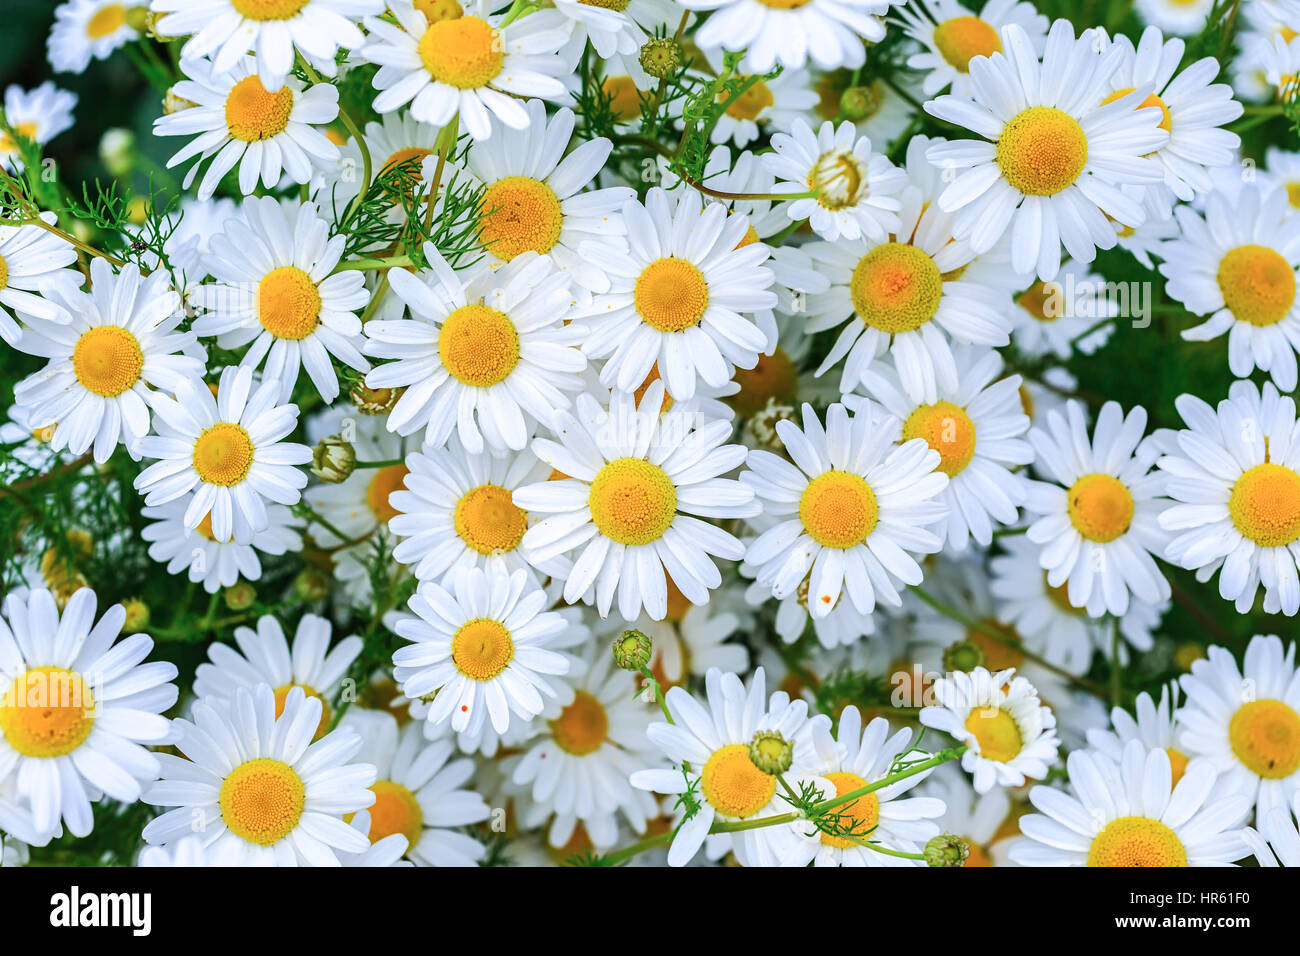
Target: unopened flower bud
(374, 401)
(137, 616)
(770, 752)
(1186, 654)
(963, 656)
(174, 104)
(117, 151)
(860, 102)
(632, 650)
(946, 850)
(661, 58)
(333, 459)
(311, 584)
(239, 596)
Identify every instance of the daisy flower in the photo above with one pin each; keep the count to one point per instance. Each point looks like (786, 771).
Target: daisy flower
(1235, 478)
(1129, 813)
(236, 122)
(843, 625)
(978, 430)
(1009, 735)
(635, 491)
(76, 707)
(1099, 518)
(1182, 18)
(846, 189)
(1064, 315)
(257, 785)
(535, 198)
(207, 561)
(765, 106)
(34, 260)
(276, 292)
(488, 356)
(852, 506)
(616, 29)
(1154, 725)
(710, 743)
(679, 296)
(273, 30)
(485, 648)
(953, 35)
(190, 851)
(980, 820)
(227, 449)
(1056, 153)
(1283, 169)
(398, 139)
(475, 65)
(1238, 265)
(106, 365)
(90, 29)
(38, 115)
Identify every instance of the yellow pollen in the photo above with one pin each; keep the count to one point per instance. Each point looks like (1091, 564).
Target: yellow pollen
(288, 303)
(253, 114)
(896, 288)
(205, 527)
(435, 10)
(47, 712)
(269, 9)
(1265, 736)
(519, 214)
(1166, 120)
(4, 273)
(479, 345)
(1045, 301)
(25, 130)
(326, 715)
(1265, 505)
(223, 454)
(996, 732)
(465, 53)
(1258, 285)
(582, 726)
(632, 501)
(838, 509)
(784, 4)
(858, 817)
(107, 20)
(671, 295)
(624, 98)
(1177, 764)
(733, 785)
(948, 430)
(1136, 841)
(386, 480)
(774, 378)
(1293, 194)
(959, 39)
(839, 179)
(262, 800)
(481, 649)
(651, 377)
(488, 520)
(395, 810)
(750, 104)
(107, 360)
(1100, 507)
(1042, 151)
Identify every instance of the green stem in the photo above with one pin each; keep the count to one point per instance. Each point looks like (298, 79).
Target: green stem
(373, 263)
(367, 165)
(388, 463)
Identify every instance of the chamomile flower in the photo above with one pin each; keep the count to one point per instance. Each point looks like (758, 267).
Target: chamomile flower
(1009, 735)
(107, 364)
(952, 35)
(484, 647)
(398, 145)
(474, 65)
(843, 625)
(236, 121)
(258, 786)
(1099, 518)
(227, 449)
(1283, 169)
(536, 198)
(853, 510)
(1155, 725)
(766, 106)
(1127, 812)
(616, 29)
(488, 355)
(207, 561)
(1182, 18)
(980, 820)
(190, 851)
(78, 708)
(32, 261)
(679, 296)
(38, 115)
(275, 293)
(637, 487)
(1064, 315)
(854, 191)
(90, 29)
(1056, 152)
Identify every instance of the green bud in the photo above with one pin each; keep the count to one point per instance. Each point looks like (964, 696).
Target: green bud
(632, 650)
(311, 584)
(963, 656)
(860, 102)
(770, 752)
(374, 401)
(239, 596)
(946, 850)
(661, 58)
(333, 459)
(117, 151)
(137, 616)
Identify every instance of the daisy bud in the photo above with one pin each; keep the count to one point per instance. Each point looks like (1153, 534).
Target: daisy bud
(1187, 654)
(632, 650)
(174, 104)
(963, 656)
(661, 58)
(946, 850)
(137, 616)
(138, 18)
(333, 459)
(770, 752)
(374, 401)
(239, 596)
(117, 151)
(859, 102)
(311, 584)
(150, 25)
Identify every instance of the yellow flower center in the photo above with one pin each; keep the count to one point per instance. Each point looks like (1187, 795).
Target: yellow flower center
(773, 379)
(1136, 841)
(624, 98)
(326, 715)
(253, 114)
(482, 648)
(733, 785)
(1042, 151)
(751, 103)
(1177, 764)
(858, 817)
(784, 4)
(1045, 301)
(961, 38)
(896, 288)
(488, 520)
(4, 273)
(7, 143)
(632, 501)
(1293, 194)
(1265, 736)
(47, 712)
(1100, 507)
(386, 480)
(465, 53)
(948, 430)
(1166, 120)
(838, 509)
(976, 855)
(262, 800)
(671, 295)
(288, 303)
(996, 732)
(1258, 285)
(582, 726)
(517, 214)
(107, 20)
(1265, 505)
(479, 345)
(395, 810)
(107, 360)
(223, 454)
(839, 179)
(435, 10)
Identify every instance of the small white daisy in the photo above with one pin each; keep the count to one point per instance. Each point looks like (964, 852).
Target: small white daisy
(766, 106)
(1154, 725)
(91, 29)
(952, 35)
(34, 260)
(207, 561)
(1065, 315)
(1182, 18)
(38, 115)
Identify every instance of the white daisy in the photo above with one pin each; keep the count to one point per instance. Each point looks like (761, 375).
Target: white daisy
(766, 106)
(1180, 17)
(952, 35)
(38, 115)
(91, 29)
(843, 625)
(980, 820)
(1151, 723)
(616, 28)
(34, 260)
(1071, 313)
(398, 145)
(207, 561)
(190, 851)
